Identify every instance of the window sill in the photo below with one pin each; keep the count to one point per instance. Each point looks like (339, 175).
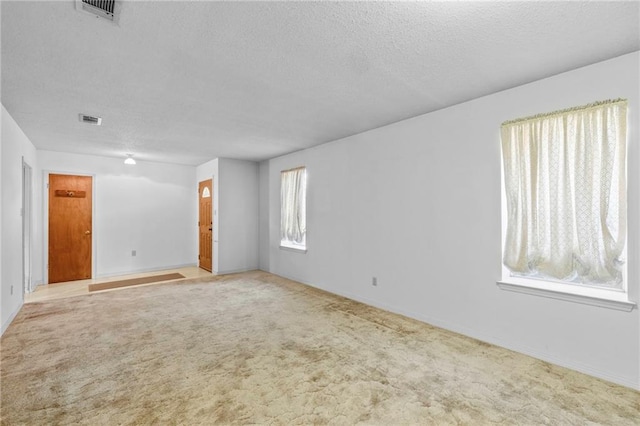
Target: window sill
(297, 249)
(586, 296)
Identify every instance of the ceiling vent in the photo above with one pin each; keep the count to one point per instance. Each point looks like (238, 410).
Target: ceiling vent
(106, 9)
(90, 119)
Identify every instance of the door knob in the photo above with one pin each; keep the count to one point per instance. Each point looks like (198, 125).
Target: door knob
(87, 232)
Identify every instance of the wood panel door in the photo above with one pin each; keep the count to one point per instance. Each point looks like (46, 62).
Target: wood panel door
(70, 233)
(205, 224)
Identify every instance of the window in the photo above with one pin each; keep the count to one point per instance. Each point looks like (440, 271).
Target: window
(293, 209)
(565, 201)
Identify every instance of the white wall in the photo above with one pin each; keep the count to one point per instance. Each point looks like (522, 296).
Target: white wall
(238, 216)
(264, 220)
(235, 206)
(2, 310)
(417, 204)
(148, 207)
(2, 119)
(15, 147)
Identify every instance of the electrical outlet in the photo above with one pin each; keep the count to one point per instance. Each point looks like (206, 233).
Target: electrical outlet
(374, 281)
(133, 253)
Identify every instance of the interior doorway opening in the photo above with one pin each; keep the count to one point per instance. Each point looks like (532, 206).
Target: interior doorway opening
(27, 228)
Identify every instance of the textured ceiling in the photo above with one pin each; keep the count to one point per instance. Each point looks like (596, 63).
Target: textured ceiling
(185, 82)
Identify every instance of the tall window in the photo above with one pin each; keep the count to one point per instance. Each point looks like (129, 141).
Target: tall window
(565, 187)
(293, 208)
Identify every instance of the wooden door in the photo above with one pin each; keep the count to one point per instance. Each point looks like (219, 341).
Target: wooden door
(205, 224)
(70, 232)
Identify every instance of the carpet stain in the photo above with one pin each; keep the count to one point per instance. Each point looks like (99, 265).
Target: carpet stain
(255, 348)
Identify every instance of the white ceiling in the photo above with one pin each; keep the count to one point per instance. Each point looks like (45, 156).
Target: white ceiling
(185, 82)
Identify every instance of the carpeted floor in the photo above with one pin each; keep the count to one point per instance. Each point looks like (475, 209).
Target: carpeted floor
(258, 349)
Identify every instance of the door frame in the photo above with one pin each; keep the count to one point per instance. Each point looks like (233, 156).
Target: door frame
(45, 221)
(27, 228)
(213, 254)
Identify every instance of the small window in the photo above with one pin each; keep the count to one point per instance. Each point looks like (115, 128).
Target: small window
(293, 209)
(206, 193)
(564, 205)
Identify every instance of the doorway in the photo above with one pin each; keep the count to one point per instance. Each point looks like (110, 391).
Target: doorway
(205, 224)
(27, 281)
(70, 227)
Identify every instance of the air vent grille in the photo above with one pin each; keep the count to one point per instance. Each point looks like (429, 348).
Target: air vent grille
(101, 8)
(104, 5)
(90, 119)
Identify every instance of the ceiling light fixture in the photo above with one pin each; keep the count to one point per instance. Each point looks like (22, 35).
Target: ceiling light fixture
(129, 160)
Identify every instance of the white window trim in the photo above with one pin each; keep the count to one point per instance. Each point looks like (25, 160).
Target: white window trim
(612, 298)
(603, 298)
(288, 245)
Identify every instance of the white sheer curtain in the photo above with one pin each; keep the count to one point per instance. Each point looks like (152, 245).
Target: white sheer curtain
(565, 184)
(293, 201)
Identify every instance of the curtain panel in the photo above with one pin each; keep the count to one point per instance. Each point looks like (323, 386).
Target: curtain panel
(293, 215)
(565, 185)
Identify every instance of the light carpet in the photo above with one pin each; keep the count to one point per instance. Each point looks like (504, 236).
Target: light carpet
(259, 349)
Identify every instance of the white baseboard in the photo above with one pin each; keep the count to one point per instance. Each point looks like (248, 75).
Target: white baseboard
(11, 318)
(234, 271)
(516, 347)
(36, 285)
(478, 335)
